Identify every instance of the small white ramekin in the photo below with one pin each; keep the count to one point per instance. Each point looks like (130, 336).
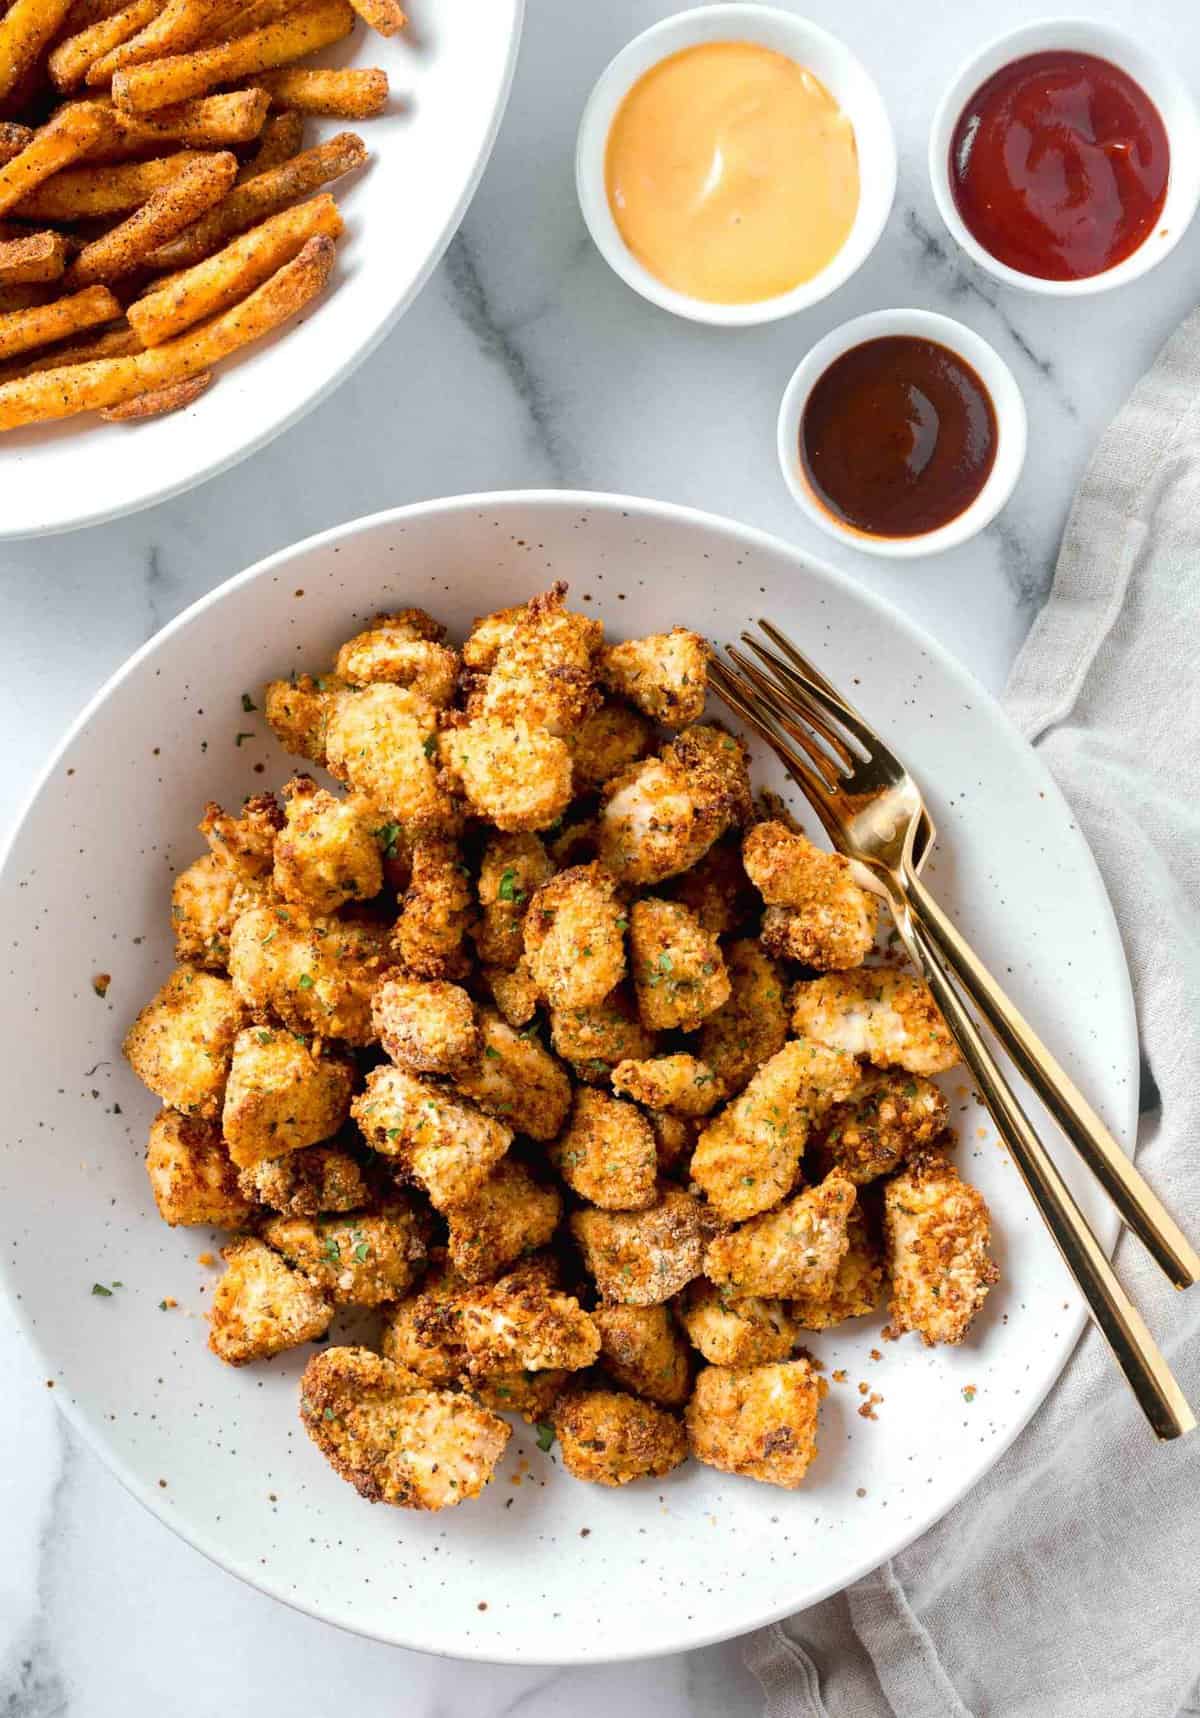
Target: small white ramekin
(847, 81)
(1161, 83)
(992, 371)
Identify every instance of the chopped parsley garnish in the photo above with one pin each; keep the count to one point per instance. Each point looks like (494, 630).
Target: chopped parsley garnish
(248, 703)
(545, 1436)
(362, 1252)
(508, 890)
(99, 1288)
(387, 837)
(238, 738)
(430, 745)
(332, 1251)
(306, 982)
(492, 1055)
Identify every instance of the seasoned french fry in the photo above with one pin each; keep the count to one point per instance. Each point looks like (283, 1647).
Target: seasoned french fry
(281, 137)
(22, 329)
(13, 138)
(113, 342)
(24, 31)
(69, 62)
(40, 256)
(210, 122)
(167, 212)
(384, 16)
(25, 297)
(63, 139)
(84, 192)
(354, 94)
(179, 26)
(156, 404)
(261, 196)
(66, 391)
(221, 280)
(84, 13)
(141, 89)
(253, 16)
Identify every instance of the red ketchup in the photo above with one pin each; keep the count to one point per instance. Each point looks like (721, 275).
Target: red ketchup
(1059, 165)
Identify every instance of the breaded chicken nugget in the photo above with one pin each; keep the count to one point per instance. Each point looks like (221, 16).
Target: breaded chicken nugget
(856, 1285)
(749, 1331)
(405, 649)
(575, 937)
(530, 1394)
(328, 851)
(513, 775)
(297, 712)
(816, 911)
(747, 1157)
(642, 1347)
(359, 1259)
(888, 1116)
(246, 843)
(665, 675)
(519, 1324)
(678, 970)
(513, 867)
(315, 974)
(426, 1025)
(595, 1040)
(437, 912)
(609, 1438)
(662, 815)
(421, 1330)
(260, 1307)
(544, 668)
(606, 1153)
(760, 1421)
(605, 743)
(674, 1142)
(488, 634)
(936, 1230)
(447, 1146)
(718, 891)
(507, 1216)
(880, 1013)
(206, 898)
(181, 1043)
(191, 1175)
(517, 1079)
(281, 1096)
(793, 1251)
(642, 1258)
(304, 1183)
(394, 1439)
(752, 1026)
(382, 742)
(680, 1083)
(514, 993)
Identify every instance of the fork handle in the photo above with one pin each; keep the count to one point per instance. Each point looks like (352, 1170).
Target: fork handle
(1138, 1204)
(1135, 1350)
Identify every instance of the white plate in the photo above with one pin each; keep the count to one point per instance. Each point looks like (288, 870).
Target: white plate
(220, 1454)
(450, 74)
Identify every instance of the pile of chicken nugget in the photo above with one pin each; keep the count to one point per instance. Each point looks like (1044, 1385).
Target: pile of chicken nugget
(538, 1036)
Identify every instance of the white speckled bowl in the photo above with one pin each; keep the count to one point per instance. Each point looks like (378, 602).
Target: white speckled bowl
(219, 1454)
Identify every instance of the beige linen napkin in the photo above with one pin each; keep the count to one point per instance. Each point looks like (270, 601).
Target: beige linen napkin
(1067, 1585)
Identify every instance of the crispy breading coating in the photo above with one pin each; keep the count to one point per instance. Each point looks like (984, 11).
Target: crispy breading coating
(297, 712)
(752, 1026)
(508, 1215)
(488, 634)
(662, 815)
(544, 669)
(605, 743)
(382, 742)
(247, 842)
(575, 937)
(747, 1157)
(513, 867)
(680, 1083)
(760, 1421)
(447, 1146)
(606, 1153)
(794, 1250)
(305, 1183)
(678, 970)
(610, 1438)
(519, 1324)
(191, 1175)
(749, 1331)
(316, 974)
(674, 1142)
(517, 1079)
(327, 852)
(718, 891)
(888, 1116)
(642, 1258)
(816, 911)
(260, 1306)
(595, 1040)
(206, 898)
(665, 675)
(421, 1330)
(530, 1394)
(181, 1043)
(281, 1096)
(405, 649)
(856, 1286)
(437, 912)
(880, 1013)
(395, 1440)
(642, 1348)
(574, 841)
(426, 1025)
(513, 775)
(360, 1258)
(514, 993)
(936, 1229)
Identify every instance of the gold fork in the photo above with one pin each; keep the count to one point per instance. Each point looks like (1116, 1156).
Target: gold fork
(873, 812)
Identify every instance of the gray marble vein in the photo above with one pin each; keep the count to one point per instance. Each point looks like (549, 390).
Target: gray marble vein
(32, 1684)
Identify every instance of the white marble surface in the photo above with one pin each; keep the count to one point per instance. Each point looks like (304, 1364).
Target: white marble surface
(525, 362)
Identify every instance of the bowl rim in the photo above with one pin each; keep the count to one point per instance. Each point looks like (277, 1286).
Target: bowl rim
(1170, 94)
(1012, 428)
(766, 25)
(1107, 1227)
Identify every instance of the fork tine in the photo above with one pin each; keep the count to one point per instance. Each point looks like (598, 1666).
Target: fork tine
(729, 688)
(777, 706)
(808, 669)
(785, 692)
(832, 703)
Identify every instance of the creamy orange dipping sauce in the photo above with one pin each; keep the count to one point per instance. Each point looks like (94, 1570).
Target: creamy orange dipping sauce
(732, 173)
